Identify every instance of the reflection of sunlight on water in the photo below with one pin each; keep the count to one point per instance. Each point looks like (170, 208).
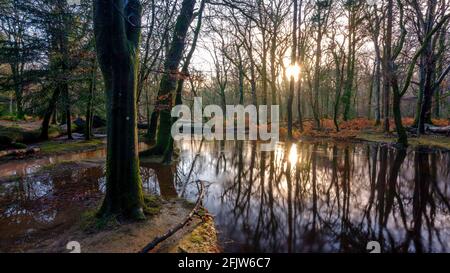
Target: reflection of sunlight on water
(330, 192)
(293, 154)
(279, 152)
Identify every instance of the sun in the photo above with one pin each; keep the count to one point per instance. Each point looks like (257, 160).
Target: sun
(293, 71)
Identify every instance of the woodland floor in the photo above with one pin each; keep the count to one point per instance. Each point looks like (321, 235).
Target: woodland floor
(358, 129)
(198, 236)
(365, 130)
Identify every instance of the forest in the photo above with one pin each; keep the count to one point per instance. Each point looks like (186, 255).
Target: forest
(88, 160)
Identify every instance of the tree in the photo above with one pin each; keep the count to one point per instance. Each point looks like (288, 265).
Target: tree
(428, 68)
(15, 50)
(387, 64)
(323, 10)
(301, 56)
(168, 83)
(353, 7)
(89, 108)
(339, 62)
(63, 33)
(392, 68)
(117, 26)
(293, 63)
(374, 26)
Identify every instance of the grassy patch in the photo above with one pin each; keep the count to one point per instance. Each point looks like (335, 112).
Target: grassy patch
(377, 137)
(188, 204)
(431, 141)
(54, 147)
(90, 223)
(18, 145)
(153, 204)
(14, 133)
(203, 239)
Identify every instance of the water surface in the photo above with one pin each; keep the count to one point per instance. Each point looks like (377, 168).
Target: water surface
(303, 197)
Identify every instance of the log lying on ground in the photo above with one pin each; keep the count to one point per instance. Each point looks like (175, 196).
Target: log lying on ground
(431, 129)
(437, 129)
(179, 226)
(19, 152)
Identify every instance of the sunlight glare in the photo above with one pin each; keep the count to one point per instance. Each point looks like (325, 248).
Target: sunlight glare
(293, 154)
(293, 71)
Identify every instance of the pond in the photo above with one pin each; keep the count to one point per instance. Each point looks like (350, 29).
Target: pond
(302, 197)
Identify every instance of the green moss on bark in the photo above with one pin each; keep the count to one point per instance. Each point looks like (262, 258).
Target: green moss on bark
(168, 84)
(117, 32)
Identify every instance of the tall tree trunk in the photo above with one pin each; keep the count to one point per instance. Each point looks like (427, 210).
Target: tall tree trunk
(339, 78)
(387, 64)
(347, 96)
(241, 82)
(64, 52)
(371, 89)
(117, 32)
(263, 25)
(51, 108)
(152, 126)
(293, 63)
(427, 69)
(168, 82)
(440, 69)
(273, 67)
(92, 88)
(402, 137)
(187, 62)
(19, 100)
(54, 117)
(318, 53)
(300, 56)
(377, 86)
(66, 102)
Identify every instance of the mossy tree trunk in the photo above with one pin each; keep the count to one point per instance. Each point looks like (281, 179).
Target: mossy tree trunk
(168, 82)
(187, 61)
(117, 34)
(184, 73)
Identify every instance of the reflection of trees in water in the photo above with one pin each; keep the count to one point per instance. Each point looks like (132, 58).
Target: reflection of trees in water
(332, 198)
(44, 201)
(158, 179)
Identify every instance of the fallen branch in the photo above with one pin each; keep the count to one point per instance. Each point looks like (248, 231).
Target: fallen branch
(437, 129)
(19, 152)
(173, 230)
(431, 129)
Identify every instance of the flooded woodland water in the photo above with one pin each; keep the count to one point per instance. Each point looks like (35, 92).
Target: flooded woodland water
(303, 197)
